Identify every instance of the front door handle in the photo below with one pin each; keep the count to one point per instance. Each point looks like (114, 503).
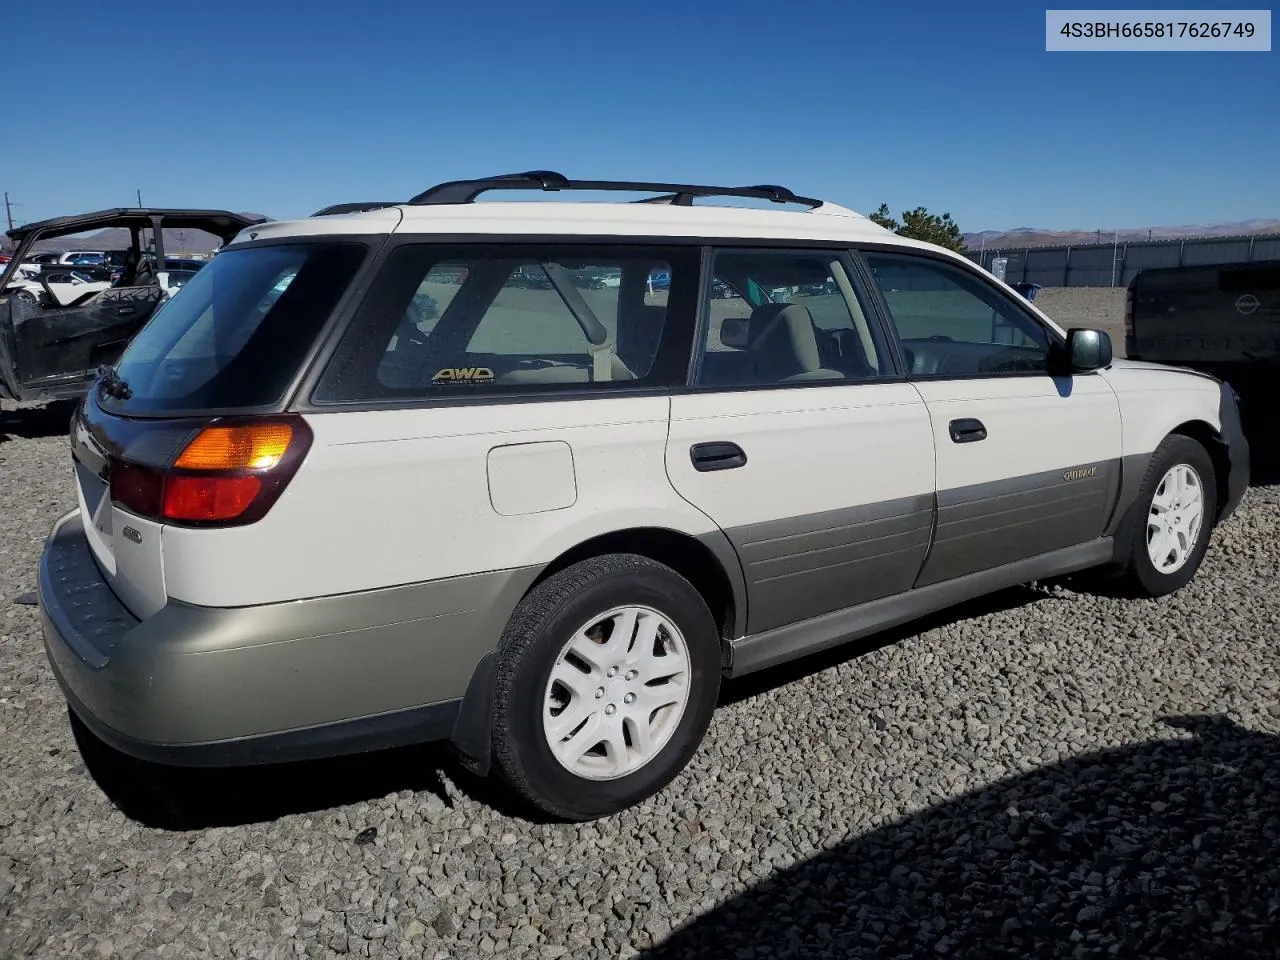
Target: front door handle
(716, 456)
(967, 430)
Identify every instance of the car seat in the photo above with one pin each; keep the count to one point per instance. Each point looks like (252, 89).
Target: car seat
(783, 345)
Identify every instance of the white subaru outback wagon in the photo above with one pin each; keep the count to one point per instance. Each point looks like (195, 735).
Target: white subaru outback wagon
(533, 477)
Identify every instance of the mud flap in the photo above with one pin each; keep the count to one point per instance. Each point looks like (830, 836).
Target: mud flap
(472, 741)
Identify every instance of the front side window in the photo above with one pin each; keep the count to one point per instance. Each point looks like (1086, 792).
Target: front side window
(441, 322)
(952, 323)
(777, 318)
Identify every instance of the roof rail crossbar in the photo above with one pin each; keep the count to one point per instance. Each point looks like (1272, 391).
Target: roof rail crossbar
(466, 191)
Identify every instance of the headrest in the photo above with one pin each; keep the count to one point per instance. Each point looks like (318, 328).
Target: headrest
(782, 342)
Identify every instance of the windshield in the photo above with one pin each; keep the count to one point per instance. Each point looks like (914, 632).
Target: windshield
(236, 332)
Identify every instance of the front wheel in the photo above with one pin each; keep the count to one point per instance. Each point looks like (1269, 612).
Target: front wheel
(1176, 507)
(607, 678)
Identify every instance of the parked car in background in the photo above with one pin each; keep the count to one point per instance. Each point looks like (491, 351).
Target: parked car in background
(60, 322)
(183, 263)
(83, 257)
(544, 524)
(1223, 320)
(55, 285)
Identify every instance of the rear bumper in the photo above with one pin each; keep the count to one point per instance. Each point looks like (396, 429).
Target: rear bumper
(200, 686)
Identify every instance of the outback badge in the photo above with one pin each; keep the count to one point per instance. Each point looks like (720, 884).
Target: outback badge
(1079, 473)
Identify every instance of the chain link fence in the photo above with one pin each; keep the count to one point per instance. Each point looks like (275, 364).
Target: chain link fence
(1115, 264)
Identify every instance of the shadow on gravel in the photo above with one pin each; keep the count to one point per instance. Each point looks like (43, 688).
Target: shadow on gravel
(173, 798)
(32, 423)
(754, 684)
(1164, 849)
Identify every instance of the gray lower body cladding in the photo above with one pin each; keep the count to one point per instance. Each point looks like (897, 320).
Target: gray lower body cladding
(774, 647)
(808, 566)
(805, 566)
(990, 524)
(243, 684)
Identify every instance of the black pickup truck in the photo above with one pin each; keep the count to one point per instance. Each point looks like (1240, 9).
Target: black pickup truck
(1223, 320)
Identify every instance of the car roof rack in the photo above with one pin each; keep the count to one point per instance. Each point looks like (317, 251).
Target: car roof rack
(679, 194)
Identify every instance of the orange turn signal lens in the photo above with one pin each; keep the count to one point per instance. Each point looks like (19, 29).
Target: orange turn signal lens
(254, 447)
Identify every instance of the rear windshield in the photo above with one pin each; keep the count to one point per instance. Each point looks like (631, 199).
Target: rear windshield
(236, 333)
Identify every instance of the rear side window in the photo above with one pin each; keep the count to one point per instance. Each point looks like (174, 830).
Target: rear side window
(444, 322)
(786, 317)
(236, 333)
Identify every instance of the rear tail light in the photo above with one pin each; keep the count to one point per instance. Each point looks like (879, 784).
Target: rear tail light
(251, 447)
(228, 472)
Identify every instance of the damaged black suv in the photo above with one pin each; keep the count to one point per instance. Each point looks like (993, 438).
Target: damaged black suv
(56, 331)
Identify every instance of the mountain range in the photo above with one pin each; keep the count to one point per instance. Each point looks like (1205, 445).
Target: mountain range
(1037, 237)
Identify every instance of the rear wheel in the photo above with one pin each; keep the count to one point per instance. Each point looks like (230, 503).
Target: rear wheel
(1171, 531)
(607, 679)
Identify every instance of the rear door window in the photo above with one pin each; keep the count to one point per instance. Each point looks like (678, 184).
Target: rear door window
(236, 332)
(787, 316)
(442, 322)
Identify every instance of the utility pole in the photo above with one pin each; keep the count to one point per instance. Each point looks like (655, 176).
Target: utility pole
(8, 211)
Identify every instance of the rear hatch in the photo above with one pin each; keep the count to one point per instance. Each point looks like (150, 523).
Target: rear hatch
(187, 427)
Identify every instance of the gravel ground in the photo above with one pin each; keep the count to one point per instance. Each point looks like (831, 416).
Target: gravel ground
(1046, 773)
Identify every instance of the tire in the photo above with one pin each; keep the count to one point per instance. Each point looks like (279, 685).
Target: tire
(1140, 575)
(604, 780)
(26, 296)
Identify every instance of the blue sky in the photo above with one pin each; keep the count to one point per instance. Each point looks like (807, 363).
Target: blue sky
(282, 107)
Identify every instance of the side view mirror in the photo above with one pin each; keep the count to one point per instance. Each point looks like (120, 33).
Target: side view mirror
(1086, 350)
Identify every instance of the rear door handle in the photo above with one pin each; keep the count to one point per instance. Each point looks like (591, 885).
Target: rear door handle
(967, 430)
(716, 456)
